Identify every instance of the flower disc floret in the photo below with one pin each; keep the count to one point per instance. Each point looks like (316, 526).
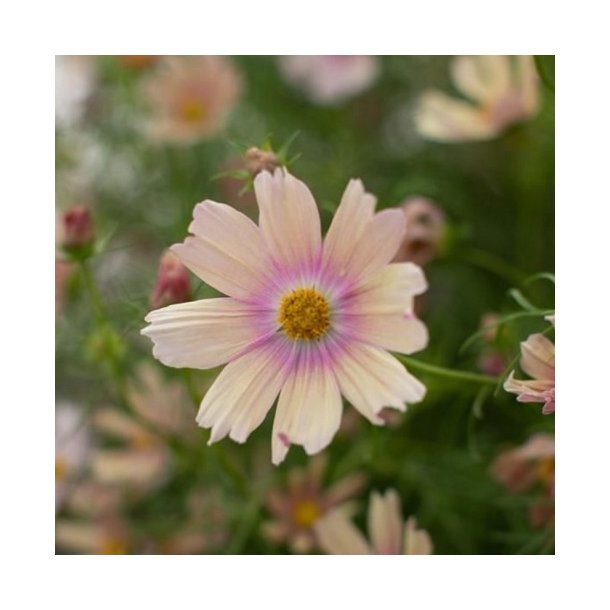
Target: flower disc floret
(304, 313)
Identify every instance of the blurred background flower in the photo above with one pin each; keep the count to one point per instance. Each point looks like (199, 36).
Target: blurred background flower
(329, 79)
(501, 90)
(425, 230)
(75, 78)
(190, 97)
(72, 447)
(304, 500)
(531, 467)
(338, 536)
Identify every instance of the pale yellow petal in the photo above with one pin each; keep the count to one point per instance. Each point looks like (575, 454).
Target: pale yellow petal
(348, 225)
(309, 409)
(204, 334)
(337, 535)
(538, 357)
(482, 78)
(417, 541)
(385, 523)
(244, 391)
(226, 251)
(445, 119)
(371, 379)
(289, 220)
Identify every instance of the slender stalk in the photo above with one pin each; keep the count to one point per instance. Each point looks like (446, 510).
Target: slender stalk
(190, 388)
(236, 476)
(115, 369)
(438, 371)
(94, 294)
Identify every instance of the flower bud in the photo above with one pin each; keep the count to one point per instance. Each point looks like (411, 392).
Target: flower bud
(425, 230)
(258, 160)
(173, 285)
(77, 226)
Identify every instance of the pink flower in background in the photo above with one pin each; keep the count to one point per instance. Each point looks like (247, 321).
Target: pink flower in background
(538, 361)
(105, 536)
(173, 284)
(72, 447)
(142, 460)
(338, 535)
(500, 90)
(330, 79)
(425, 229)
(190, 97)
(528, 466)
(305, 319)
(305, 500)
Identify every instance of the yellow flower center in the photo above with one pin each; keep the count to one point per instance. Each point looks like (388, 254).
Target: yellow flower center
(306, 513)
(114, 546)
(192, 111)
(61, 469)
(304, 314)
(545, 470)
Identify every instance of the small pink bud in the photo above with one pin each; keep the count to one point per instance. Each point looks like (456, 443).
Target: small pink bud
(425, 229)
(258, 160)
(77, 228)
(492, 363)
(173, 284)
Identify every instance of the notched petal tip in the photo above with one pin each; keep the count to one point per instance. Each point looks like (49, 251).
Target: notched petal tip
(279, 450)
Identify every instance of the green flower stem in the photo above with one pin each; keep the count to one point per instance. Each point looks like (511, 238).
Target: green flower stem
(94, 294)
(116, 369)
(439, 371)
(190, 388)
(231, 470)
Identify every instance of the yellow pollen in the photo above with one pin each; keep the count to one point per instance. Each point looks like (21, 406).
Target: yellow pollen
(143, 440)
(114, 546)
(545, 470)
(61, 469)
(306, 513)
(192, 111)
(304, 314)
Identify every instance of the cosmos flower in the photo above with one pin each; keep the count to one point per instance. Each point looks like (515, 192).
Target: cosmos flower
(501, 90)
(425, 229)
(72, 447)
(304, 319)
(338, 535)
(538, 361)
(304, 501)
(330, 79)
(190, 97)
(530, 466)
